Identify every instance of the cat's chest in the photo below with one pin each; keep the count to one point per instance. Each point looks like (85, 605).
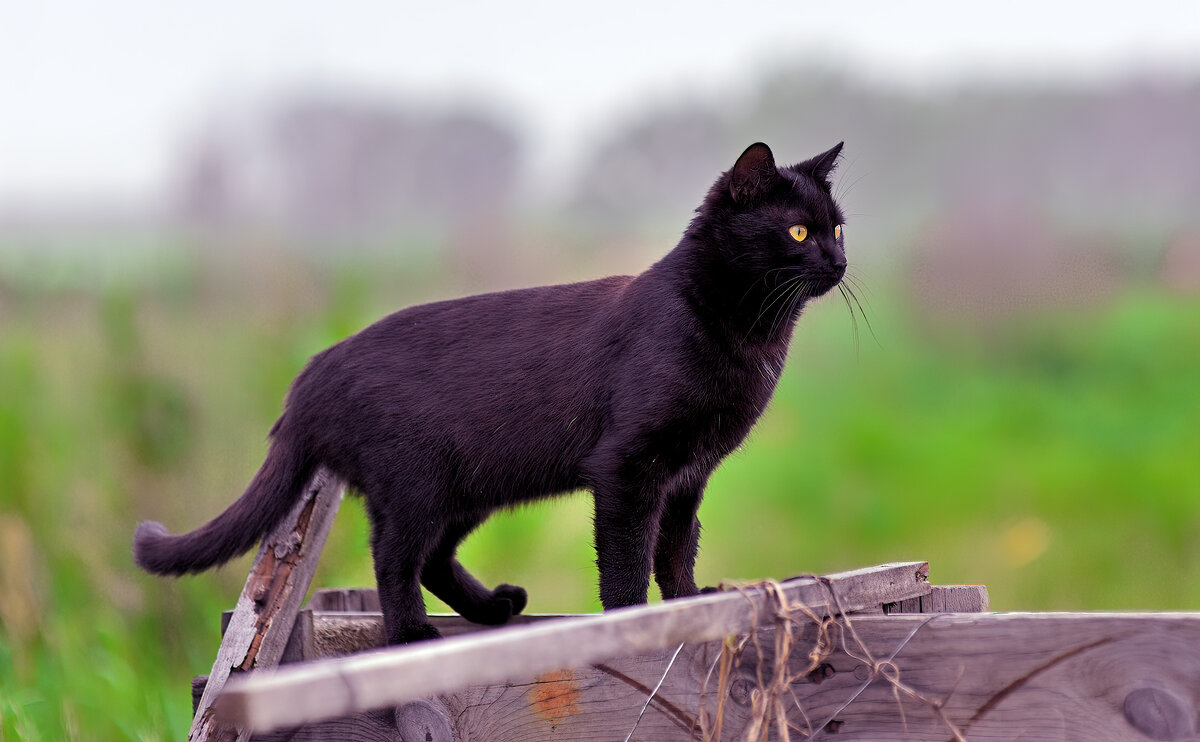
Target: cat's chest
(730, 398)
(750, 376)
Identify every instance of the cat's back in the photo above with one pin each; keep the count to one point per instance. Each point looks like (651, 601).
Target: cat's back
(483, 381)
(541, 316)
(478, 349)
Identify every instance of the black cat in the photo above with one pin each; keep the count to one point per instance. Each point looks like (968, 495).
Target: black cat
(634, 387)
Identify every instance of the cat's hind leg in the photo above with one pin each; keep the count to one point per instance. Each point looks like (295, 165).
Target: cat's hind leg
(400, 548)
(452, 583)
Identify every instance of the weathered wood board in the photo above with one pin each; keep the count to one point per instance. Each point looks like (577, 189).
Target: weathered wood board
(260, 626)
(1085, 677)
(404, 674)
(944, 599)
(341, 621)
(930, 666)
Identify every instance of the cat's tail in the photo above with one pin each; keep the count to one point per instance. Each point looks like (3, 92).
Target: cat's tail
(276, 487)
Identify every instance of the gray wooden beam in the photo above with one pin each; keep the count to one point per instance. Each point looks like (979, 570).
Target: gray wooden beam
(390, 677)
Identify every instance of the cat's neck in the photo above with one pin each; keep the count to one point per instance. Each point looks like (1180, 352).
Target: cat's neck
(729, 295)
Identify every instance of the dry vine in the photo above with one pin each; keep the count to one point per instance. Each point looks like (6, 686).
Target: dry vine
(773, 698)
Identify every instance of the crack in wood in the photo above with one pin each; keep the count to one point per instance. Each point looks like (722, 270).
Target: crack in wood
(260, 626)
(277, 569)
(1015, 685)
(681, 718)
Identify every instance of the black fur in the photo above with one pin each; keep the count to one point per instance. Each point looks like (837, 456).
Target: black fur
(634, 387)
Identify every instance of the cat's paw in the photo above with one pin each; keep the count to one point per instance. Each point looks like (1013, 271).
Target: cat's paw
(506, 602)
(415, 633)
(709, 589)
(514, 595)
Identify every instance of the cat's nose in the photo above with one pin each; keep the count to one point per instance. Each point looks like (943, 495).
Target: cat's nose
(837, 256)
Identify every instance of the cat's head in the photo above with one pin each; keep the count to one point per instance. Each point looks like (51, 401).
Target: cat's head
(782, 218)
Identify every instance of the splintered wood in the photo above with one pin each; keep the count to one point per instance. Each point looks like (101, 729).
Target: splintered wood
(259, 628)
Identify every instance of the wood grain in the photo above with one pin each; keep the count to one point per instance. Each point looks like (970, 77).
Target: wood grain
(261, 625)
(389, 677)
(355, 599)
(944, 599)
(1016, 676)
(1032, 677)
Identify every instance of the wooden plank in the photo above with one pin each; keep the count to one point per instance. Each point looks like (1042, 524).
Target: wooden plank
(261, 624)
(344, 621)
(198, 684)
(388, 677)
(299, 644)
(1033, 677)
(944, 599)
(337, 633)
(357, 599)
(341, 621)
(1017, 676)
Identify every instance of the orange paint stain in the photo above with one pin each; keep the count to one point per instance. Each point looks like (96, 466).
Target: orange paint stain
(555, 695)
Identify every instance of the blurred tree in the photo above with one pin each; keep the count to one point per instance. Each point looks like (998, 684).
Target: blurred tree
(343, 168)
(658, 165)
(1118, 161)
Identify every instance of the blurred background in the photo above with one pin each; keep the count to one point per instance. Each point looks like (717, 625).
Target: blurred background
(194, 200)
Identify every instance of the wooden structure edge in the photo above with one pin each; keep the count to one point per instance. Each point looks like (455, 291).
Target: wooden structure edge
(395, 676)
(260, 626)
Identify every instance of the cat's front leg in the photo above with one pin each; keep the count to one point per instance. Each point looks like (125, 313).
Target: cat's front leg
(678, 541)
(626, 528)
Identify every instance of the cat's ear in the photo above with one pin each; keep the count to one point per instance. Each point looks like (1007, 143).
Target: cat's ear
(821, 166)
(753, 173)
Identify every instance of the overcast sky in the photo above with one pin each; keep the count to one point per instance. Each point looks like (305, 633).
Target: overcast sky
(95, 96)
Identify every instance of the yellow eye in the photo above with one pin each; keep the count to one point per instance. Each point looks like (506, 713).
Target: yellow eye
(798, 232)
(837, 232)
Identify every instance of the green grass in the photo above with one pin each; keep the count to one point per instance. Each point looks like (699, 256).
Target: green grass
(1055, 460)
